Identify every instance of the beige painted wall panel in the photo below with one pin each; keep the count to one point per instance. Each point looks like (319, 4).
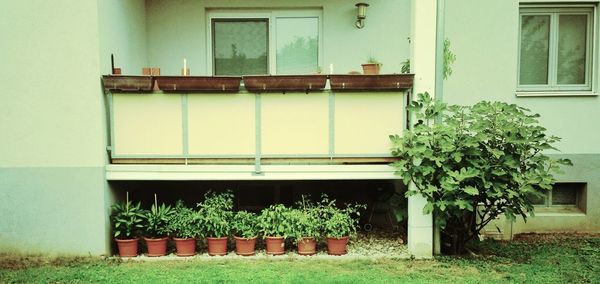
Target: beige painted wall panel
(295, 123)
(363, 122)
(147, 124)
(221, 124)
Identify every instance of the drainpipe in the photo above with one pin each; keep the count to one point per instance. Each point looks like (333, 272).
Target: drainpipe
(439, 91)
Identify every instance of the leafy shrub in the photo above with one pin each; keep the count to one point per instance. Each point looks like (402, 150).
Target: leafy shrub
(273, 221)
(245, 224)
(338, 222)
(304, 224)
(157, 220)
(478, 163)
(127, 219)
(185, 222)
(216, 214)
(304, 220)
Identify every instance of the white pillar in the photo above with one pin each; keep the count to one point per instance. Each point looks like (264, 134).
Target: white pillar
(423, 43)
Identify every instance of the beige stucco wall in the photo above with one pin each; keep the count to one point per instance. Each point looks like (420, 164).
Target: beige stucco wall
(177, 30)
(484, 37)
(485, 41)
(53, 193)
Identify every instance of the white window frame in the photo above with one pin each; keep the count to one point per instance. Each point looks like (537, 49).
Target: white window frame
(552, 88)
(271, 16)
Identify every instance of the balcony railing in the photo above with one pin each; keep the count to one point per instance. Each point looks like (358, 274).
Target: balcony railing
(328, 126)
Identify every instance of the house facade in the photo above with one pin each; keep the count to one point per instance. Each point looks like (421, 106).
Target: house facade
(73, 145)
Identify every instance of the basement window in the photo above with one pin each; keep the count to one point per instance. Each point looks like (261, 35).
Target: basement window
(564, 195)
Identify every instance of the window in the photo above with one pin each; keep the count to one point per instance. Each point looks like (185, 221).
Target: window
(555, 49)
(258, 42)
(240, 46)
(563, 195)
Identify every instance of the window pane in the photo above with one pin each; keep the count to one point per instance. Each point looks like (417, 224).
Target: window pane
(572, 46)
(535, 36)
(297, 45)
(564, 194)
(240, 47)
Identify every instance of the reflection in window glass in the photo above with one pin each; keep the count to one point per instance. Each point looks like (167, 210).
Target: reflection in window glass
(297, 45)
(535, 37)
(240, 46)
(572, 45)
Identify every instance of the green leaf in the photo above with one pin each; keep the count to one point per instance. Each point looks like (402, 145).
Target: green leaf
(428, 208)
(471, 190)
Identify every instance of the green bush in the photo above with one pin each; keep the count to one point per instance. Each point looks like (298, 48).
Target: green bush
(338, 222)
(304, 224)
(273, 221)
(156, 221)
(216, 214)
(127, 219)
(185, 222)
(478, 163)
(245, 224)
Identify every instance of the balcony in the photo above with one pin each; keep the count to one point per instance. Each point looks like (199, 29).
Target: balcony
(349, 126)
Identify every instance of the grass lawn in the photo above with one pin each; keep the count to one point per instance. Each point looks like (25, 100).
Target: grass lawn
(555, 259)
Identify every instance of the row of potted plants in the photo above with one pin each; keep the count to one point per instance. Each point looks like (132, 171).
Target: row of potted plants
(214, 219)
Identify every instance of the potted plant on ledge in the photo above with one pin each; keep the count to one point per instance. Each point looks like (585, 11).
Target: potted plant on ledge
(274, 226)
(339, 224)
(371, 67)
(245, 229)
(184, 225)
(215, 220)
(127, 219)
(157, 228)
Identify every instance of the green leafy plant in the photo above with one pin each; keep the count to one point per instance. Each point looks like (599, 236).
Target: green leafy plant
(127, 219)
(216, 214)
(273, 221)
(373, 60)
(245, 224)
(478, 163)
(449, 58)
(156, 221)
(405, 68)
(339, 222)
(304, 224)
(184, 222)
(304, 220)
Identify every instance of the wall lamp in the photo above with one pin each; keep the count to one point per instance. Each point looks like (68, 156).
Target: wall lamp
(361, 15)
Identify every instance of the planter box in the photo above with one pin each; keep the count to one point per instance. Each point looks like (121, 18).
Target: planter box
(206, 84)
(285, 83)
(128, 83)
(389, 82)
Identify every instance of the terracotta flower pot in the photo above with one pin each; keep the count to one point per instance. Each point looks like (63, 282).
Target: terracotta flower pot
(371, 68)
(307, 246)
(128, 247)
(275, 245)
(156, 247)
(217, 246)
(337, 246)
(185, 247)
(245, 246)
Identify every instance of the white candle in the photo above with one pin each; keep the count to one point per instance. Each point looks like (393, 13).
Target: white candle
(331, 68)
(184, 67)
